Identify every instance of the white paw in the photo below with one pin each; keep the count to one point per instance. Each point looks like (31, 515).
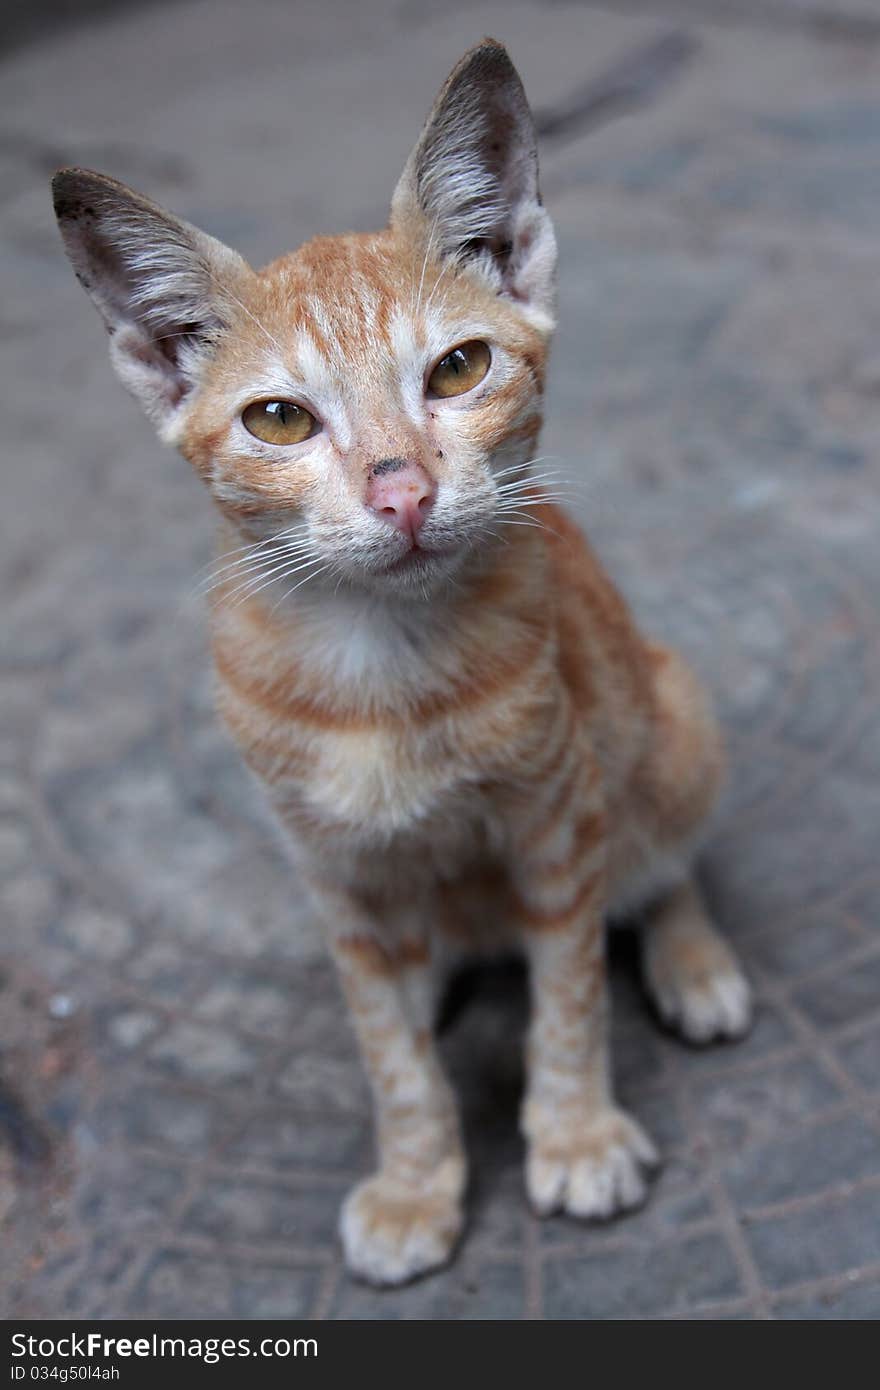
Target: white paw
(392, 1232)
(595, 1171)
(718, 1006)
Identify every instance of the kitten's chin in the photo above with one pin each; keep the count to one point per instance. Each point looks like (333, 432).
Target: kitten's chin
(417, 573)
(417, 561)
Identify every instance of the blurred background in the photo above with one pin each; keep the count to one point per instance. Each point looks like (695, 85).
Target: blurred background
(180, 1106)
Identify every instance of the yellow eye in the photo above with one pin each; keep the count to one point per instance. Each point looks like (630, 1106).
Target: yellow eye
(460, 370)
(278, 422)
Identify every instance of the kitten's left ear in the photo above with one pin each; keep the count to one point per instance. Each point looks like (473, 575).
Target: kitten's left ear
(471, 183)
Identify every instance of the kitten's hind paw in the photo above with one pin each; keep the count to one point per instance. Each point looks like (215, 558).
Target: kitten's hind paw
(691, 974)
(393, 1232)
(714, 1008)
(698, 988)
(594, 1172)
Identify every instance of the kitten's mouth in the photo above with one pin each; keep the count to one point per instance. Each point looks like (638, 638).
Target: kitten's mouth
(416, 557)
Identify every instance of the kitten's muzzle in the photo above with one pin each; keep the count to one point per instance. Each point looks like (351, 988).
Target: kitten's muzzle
(401, 494)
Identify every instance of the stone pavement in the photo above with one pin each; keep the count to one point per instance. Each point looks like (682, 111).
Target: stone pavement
(180, 1108)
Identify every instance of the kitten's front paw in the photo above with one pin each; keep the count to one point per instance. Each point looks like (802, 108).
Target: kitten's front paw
(392, 1231)
(595, 1170)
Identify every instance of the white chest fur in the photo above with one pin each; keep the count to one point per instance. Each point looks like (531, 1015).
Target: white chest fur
(389, 780)
(401, 757)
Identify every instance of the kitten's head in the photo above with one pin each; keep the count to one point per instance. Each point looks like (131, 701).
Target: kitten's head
(365, 406)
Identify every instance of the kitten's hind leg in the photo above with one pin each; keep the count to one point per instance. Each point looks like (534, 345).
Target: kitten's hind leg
(690, 972)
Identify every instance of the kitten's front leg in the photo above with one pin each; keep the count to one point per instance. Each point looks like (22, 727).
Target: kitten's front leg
(585, 1154)
(406, 1218)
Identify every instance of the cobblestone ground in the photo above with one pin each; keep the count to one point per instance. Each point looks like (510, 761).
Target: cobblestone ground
(181, 1109)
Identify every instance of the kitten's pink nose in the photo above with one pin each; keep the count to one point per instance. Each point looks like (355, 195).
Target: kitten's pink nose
(402, 494)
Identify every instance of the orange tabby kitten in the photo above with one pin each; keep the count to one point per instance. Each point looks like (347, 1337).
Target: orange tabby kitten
(465, 736)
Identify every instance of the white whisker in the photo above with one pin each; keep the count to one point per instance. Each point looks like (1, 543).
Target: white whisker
(522, 518)
(263, 577)
(245, 554)
(299, 584)
(428, 247)
(526, 463)
(252, 547)
(448, 265)
(513, 489)
(520, 499)
(284, 554)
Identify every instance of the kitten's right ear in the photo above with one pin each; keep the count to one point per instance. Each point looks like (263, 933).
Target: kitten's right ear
(470, 186)
(163, 288)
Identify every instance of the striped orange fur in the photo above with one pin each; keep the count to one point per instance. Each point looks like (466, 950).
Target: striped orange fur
(467, 739)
